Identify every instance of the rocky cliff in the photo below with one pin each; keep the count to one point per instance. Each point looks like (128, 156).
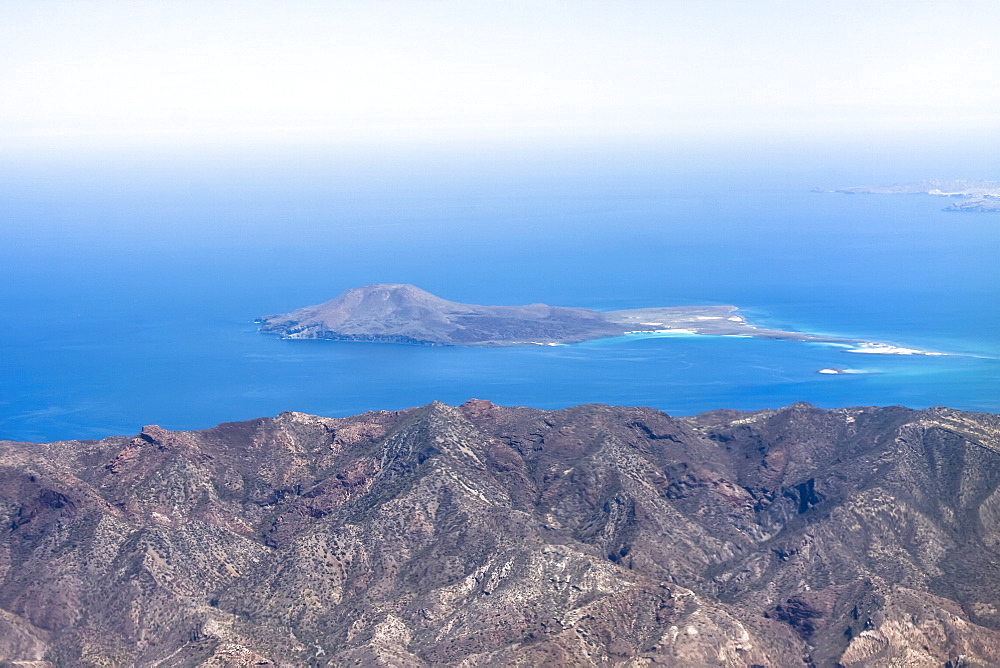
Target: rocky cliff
(482, 535)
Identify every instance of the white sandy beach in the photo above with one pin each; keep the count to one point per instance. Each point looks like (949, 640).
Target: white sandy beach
(886, 349)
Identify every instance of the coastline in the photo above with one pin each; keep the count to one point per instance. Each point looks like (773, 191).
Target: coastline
(734, 324)
(403, 313)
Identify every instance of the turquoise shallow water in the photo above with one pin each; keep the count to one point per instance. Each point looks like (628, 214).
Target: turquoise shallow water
(129, 301)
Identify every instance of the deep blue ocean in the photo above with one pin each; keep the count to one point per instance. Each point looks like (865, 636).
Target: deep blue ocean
(128, 284)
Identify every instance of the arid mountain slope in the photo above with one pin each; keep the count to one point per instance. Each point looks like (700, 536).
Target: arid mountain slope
(400, 313)
(482, 535)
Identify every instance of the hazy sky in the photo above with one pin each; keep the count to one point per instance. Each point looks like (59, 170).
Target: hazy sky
(496, 68)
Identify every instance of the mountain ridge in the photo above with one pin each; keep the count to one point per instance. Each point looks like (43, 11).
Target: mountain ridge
(485, 535)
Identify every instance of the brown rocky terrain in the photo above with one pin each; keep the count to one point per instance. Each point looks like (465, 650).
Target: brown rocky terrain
(482, 535)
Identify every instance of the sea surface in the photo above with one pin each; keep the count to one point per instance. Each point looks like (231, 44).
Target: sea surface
(129, 284)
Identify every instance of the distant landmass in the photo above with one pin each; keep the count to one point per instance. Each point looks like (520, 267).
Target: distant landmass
(482, 535)
(974, 196)
(402, 313)
(979, 205)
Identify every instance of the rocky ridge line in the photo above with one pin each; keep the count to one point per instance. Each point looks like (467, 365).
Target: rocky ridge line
(484, 535)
